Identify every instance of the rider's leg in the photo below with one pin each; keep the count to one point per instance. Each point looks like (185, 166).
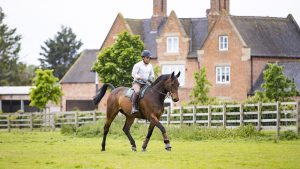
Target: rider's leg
(136, 87)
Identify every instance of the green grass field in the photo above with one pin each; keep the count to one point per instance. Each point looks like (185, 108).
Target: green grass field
(52, 150)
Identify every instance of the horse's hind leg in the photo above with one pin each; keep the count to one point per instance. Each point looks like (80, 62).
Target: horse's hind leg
(110, 116)
(126, 129)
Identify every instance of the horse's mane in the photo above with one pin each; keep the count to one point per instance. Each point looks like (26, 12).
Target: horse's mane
(160, 78)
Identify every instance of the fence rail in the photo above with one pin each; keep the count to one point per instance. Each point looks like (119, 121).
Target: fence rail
(277, 116)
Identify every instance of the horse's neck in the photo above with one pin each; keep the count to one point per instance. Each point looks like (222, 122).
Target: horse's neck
(160, 90)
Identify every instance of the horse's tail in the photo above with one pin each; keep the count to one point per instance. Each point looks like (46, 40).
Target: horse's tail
(101, 92)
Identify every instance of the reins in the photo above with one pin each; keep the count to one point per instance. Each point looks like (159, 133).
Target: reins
(165, 94)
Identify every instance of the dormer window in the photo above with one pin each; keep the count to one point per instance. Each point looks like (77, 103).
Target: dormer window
(223, 43)
(172, 45)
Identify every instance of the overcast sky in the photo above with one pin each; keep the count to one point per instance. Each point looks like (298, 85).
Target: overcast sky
(39, 20)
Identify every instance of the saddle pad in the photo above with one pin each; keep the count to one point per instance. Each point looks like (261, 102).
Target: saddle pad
(129, 92)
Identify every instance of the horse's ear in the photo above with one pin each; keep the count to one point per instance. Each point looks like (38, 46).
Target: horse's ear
(178, 74)
(172, 75)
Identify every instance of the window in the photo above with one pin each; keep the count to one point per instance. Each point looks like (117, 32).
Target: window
(172, 45)
(223, 74)
(167, 69)
(223, 43)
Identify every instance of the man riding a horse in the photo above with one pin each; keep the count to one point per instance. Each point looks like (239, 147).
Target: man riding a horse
(141, 73)
(151, 105)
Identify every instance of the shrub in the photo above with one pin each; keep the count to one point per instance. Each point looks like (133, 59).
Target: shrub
(89, 130)
(67, 129)
(288, 135)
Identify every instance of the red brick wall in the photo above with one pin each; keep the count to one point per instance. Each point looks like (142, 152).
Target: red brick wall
(239, 68)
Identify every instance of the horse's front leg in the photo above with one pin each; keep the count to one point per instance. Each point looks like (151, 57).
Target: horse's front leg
(150, 131)
(163, 131)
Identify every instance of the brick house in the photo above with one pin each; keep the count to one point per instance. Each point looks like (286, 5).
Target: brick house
(233, 49)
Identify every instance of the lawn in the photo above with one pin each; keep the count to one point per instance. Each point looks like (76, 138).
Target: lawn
(26, 150)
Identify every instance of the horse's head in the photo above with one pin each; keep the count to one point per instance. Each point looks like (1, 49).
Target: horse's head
(172, 85)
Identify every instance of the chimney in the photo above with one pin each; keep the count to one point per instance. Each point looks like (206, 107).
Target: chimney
(159, 12)
(216, 8)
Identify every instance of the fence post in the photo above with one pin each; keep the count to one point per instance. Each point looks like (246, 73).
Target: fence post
(181, 115)
(169, 115)
(298, 118)
(76, 119)
(241, 115)
(259, 105)
(8, 123)
(53, 121)
(224, 116)
(94, 116)
(194, 115)
(278, 119)
(30, 121)
(209, 116)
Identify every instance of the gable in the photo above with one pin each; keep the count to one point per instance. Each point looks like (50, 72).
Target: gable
(119, 25)
(173, 25)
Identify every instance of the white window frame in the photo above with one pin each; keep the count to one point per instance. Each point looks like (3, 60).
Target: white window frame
(223, 43)
(172, 44)
(169, 68)
(222, 74)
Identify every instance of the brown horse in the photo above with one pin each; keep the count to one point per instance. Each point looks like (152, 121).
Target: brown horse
(151, 107)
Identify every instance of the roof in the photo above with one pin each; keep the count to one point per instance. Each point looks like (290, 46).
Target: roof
(269, 36)
(16, 90)
(290, 70)
(195, 28)
(80, 72)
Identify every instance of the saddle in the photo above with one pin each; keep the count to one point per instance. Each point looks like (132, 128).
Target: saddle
(129, 92)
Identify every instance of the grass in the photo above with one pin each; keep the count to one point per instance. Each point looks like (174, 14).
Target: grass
(19, 149)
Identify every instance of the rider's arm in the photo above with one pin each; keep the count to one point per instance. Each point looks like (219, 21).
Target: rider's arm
(134, 73)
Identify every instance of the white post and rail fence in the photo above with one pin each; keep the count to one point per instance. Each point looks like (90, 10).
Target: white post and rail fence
(274, 116)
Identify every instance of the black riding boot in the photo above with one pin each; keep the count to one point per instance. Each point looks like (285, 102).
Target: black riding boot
(134, 103)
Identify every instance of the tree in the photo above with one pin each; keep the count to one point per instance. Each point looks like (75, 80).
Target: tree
(9, 49)
(60, 52)
(46, 89)
(276, 85)
(114, 64)
(199, 94)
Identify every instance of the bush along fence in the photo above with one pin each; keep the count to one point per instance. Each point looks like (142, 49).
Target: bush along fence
(276, 116)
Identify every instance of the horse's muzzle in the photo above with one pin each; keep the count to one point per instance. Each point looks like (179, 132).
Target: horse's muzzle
(175, 99)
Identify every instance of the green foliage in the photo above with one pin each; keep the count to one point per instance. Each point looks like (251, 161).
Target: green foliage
(288, 135)
(199, 94)
(259, 96)
(46, 88)
(60, 52)
(10, 70)
(276, 85)
(184, 132)
(114, 64)
(67, 129)
(156, 70)
(89, 130)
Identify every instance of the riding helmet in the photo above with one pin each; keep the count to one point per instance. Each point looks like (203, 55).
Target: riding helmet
(146, 53)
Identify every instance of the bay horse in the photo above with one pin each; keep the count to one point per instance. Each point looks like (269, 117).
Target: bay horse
(151, 107)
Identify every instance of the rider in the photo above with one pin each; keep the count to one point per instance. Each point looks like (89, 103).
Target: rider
(141, 73)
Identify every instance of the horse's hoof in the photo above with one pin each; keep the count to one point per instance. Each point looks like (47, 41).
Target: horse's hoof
(103, 149)
(133, 149)
(143, 150)
(168, 148)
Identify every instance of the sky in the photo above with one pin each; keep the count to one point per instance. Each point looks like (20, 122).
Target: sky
(39, 20)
